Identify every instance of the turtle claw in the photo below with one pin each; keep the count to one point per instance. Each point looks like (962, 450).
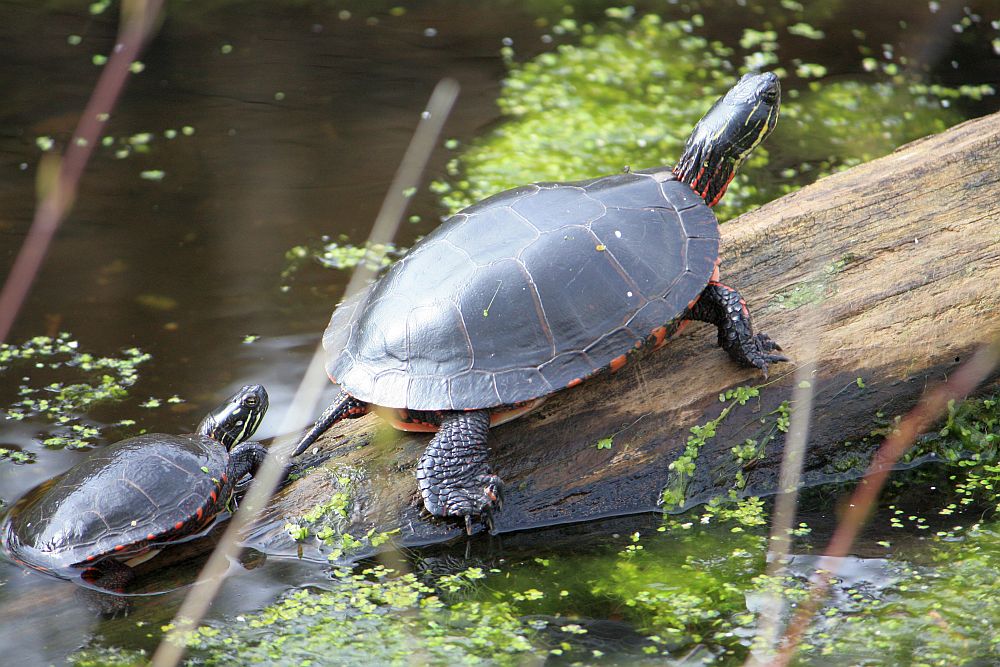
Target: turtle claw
(468, 524)
(765, 344)
(759, 352)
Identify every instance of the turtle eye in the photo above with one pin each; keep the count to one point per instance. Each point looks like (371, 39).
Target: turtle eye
(250, 400)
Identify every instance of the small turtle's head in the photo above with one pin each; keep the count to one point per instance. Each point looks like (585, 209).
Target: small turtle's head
(732, 128)
(237, 418)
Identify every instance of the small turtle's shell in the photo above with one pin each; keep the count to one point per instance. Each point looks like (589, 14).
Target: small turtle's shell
(525, 293)
(124, 500)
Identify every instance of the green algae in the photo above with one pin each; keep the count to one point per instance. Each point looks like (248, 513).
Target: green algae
(329, 524)
(630, 91)
(942, 614)
(681, 469)
(340, 255)
(375, 616)
(38, 360)
(100, 656)
(812, 290)
(679, 589)
(16, 456)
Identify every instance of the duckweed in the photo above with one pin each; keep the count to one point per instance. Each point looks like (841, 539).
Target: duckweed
(376, 616)
(63, 403)
(629, 92)
(341, 254)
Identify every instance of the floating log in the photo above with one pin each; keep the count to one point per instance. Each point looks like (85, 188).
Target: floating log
(892, 268)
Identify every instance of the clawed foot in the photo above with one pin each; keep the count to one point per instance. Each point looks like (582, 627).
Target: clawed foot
(757, 352)
(481, 498)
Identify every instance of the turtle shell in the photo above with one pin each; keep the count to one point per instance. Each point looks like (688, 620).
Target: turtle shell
(122, 501)
(526, 293)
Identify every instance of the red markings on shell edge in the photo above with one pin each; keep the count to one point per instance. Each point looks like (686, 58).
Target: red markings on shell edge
(151, 537)
(224, 478)
(618, 362)
(574, 382)
(91, 557)
(119, 547)
(199, 512)
(659, 335)
(178, 525)
(214, 496)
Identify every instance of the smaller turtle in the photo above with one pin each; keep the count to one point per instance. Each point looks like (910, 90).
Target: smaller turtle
(125, 502)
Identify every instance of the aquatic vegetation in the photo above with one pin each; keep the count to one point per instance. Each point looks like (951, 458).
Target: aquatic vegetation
(329, 522)
(99, 656)
(682, 468)
(16, 455)
(341, 254)
(679, 592)
(61, 402)
(630, 90)
(375, 616)
(944, 613)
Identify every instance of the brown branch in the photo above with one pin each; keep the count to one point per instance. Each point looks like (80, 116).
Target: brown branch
(930, 408)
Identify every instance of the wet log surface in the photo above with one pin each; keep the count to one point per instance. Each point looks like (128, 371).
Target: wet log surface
(894, 266)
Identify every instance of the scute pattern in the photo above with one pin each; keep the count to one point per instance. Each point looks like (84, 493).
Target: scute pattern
(128, 477)
(526, 292)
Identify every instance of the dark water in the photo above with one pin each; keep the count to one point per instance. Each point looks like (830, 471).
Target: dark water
(300, 116)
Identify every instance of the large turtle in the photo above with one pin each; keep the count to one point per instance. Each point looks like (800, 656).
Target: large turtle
(538, 288)
(125, 502)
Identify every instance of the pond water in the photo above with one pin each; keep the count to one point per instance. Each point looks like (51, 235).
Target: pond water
(256, 127)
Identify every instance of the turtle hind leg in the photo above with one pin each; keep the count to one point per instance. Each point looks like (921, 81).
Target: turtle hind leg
(725, 308)
(454, 477)
(344, 406)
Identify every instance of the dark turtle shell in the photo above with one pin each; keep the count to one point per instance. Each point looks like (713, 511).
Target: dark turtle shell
(124, 500)
(525, 293)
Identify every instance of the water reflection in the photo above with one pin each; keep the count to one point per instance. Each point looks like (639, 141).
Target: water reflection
(297, 118)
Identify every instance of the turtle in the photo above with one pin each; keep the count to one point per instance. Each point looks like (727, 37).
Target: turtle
(125, 502)
(536, 289)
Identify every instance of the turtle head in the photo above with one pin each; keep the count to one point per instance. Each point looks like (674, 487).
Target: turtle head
(237, 418)
(728, 133)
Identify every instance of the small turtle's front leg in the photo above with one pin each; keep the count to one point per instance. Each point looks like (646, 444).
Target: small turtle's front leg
(245, 459)
(725, 308)
(454, 478)
(103, 579)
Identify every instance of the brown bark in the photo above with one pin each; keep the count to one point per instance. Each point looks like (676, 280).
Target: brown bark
(893, 265)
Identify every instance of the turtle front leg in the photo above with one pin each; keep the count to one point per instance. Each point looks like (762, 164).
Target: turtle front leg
(245, 459)
(102, 580)
(725, 308)
(453, 475)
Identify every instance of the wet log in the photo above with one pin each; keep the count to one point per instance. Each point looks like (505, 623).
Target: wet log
(892, 266)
